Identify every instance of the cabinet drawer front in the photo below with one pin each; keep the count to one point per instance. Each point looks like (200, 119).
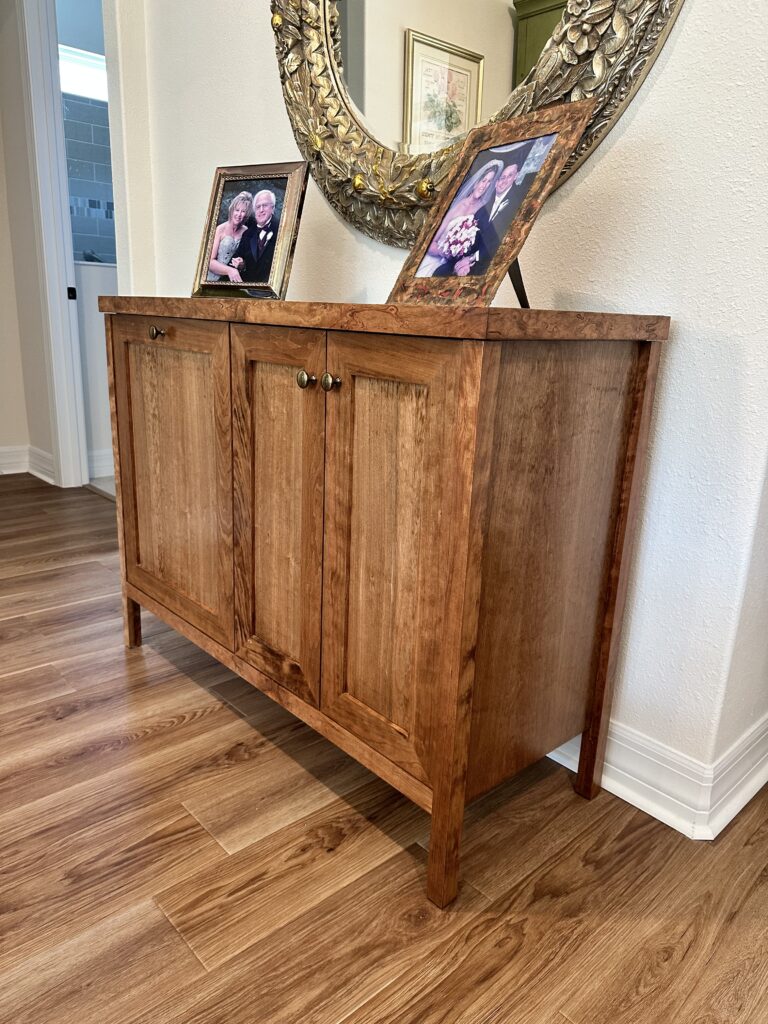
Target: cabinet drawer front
(397, 487)
(172, 391)
(278, 459)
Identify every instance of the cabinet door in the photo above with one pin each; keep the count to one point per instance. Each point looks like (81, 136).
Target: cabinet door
(278, 459)
(174, 420)
(398, 465)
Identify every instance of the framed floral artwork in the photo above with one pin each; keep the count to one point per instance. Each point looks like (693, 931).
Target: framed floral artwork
(443, 91)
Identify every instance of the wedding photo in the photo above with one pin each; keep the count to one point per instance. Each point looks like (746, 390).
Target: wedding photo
(483, 209)
(251, 229)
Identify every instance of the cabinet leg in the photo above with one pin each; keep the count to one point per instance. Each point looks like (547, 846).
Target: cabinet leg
(131, 622)
(444, 845)
(591, 761)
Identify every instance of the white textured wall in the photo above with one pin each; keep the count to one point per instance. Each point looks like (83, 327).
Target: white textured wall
(13, 409)
(19, 185)
(670, 217)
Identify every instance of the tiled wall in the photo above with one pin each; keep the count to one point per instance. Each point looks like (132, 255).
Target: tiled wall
(89, 167)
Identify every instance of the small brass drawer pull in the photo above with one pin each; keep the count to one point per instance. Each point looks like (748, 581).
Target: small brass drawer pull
(156, 332)
(328, 383)
(305, 380)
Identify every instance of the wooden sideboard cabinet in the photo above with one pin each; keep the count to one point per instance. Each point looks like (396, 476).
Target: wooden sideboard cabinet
(408, 525)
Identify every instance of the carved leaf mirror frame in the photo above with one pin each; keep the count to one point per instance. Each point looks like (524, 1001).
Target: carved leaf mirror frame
(600, 49)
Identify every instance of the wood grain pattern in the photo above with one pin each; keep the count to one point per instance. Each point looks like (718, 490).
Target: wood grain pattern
(336, 316)
(566, 325)
(175, 439)
(595, 735)
(394, 929)
(27, 687)
(104, 973)
(500, 968)
(256, 892)
(495, 323)
(296, 778)
(395, 513)
(39, 910)
(450, 789)
(278, 498)
(553, 503)
(568, 913)
(57, 587)
(403, 530)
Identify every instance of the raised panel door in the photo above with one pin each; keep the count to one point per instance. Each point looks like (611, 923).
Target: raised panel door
(397, 482)
(174, 423)
(278, 487)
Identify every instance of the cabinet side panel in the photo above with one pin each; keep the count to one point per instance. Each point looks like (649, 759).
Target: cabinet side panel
(561, 426)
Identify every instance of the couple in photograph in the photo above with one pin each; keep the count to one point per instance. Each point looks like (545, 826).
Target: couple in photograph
(244, 244)
(476, 222)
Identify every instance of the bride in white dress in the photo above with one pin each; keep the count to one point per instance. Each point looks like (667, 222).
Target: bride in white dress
(227, 237)
(472, 195)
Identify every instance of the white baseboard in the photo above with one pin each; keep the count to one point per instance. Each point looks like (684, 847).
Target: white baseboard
(101, 463)
(41, 464)
(14, 458)
(25, 458)
(697, 799)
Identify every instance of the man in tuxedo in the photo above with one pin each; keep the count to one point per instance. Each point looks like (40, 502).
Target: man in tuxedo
(493, 219)
(254, 254)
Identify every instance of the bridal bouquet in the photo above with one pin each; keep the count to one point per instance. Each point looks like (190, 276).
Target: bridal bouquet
(459, 239)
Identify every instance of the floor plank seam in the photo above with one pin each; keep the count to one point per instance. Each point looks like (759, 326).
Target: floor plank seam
(208, 970)
(203, 826)
(56, 607)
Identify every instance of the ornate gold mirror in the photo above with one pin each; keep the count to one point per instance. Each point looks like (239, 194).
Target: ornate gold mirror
(345, 63)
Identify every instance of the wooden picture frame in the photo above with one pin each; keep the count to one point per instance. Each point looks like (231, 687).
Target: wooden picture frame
(467, 245)
(439, 72)
(246, 250)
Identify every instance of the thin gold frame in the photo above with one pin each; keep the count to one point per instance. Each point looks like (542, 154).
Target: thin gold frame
(411, 38)
(295, 175)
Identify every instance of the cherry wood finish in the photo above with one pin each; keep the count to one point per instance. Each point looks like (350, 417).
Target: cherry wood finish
(397, 471)
(174, 437)
(595, 735)
(554, 475)
(278, 490)
(430, 558)
(495, 323)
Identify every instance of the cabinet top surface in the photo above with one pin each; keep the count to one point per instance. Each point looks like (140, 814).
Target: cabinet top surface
(493, 324)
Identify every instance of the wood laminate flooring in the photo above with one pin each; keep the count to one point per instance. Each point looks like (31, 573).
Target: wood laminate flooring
(176, 849)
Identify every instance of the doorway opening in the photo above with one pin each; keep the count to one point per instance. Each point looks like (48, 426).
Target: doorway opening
(85, 112)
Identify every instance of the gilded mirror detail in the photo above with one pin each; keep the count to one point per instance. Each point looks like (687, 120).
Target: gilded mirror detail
(600, 49)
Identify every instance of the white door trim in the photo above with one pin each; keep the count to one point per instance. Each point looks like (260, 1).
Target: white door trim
(39, 50)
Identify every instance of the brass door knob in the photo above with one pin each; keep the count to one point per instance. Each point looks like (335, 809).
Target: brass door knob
(328, 383)
(305, 380)
(156, 332)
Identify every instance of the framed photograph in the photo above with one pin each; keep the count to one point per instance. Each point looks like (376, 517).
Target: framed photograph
(484, 212)
(250, 232)
(443, 91)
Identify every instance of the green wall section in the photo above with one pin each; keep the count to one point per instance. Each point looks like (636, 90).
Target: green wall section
(536, 20)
